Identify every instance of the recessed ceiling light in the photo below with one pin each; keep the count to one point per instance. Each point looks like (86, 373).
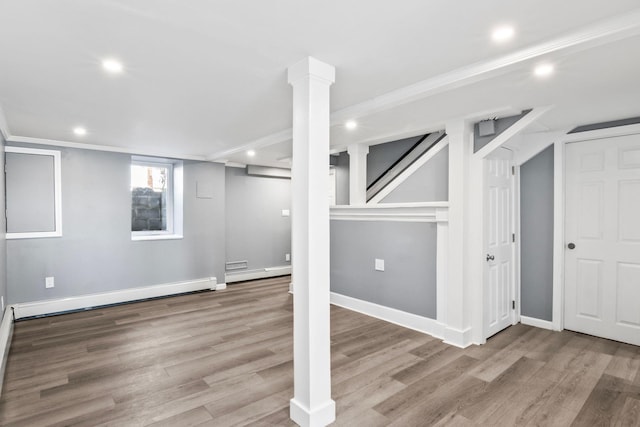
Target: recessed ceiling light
(502, 34)
(251, 153)
(351, 124)
(112, 66)
(80, 131)
(543, 70)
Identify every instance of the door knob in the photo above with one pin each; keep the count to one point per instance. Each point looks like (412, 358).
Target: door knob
(490, 257)
(571, 246)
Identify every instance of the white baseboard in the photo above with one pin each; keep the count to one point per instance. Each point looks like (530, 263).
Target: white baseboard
(6, 332)
(392, 315)
(262, 273)
(532, 321)
(37, 308)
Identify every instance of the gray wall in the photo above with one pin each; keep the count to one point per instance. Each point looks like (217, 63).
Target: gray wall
(430, 183)
(536, 207)
(256, 231)
(409, 251)
(3, 228)
(342, 179)
(382, 156)
(96, 253)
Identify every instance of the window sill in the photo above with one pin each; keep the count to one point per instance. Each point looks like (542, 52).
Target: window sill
(156, 237)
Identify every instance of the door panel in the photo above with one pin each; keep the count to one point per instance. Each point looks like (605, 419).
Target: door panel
(602, 272)
(499, 273)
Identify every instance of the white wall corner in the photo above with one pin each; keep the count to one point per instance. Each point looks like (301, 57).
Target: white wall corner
(4, 127)
(531, 144)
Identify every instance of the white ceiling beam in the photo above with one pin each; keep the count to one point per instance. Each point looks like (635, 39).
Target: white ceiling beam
(599, 33)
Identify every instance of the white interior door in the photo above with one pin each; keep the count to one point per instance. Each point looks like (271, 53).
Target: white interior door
(498, 236)
(602, 223)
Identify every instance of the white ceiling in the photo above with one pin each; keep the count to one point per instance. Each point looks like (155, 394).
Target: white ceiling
(208, 78)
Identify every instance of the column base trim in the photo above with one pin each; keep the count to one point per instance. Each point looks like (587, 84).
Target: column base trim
(319, 417)
(459, 338)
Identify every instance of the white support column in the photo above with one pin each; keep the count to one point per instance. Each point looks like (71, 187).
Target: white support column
(312, 404)
(358, 173)
(458, 319)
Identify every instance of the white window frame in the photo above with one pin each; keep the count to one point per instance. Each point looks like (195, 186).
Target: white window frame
(57, 188)
(173, 199)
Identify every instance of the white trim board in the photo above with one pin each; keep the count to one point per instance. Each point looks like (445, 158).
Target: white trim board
(402, 212)
(392, 315)
(262, 273)
(538, 323)
(6, 332)
(38, 308)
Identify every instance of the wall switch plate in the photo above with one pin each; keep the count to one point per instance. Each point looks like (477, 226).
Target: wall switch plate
(379, 264)
(287, 257)
(2, 303)
(286, 212)
(49, 282)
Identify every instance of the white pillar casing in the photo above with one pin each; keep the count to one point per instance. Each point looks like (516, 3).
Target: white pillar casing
(358, 173)
(312, 404)
(458, 305)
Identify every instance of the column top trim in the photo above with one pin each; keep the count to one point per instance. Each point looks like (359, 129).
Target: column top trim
(311, 66)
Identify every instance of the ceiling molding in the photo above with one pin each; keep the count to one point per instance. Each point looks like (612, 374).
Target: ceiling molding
(599, 33)
(266, 141)
(96, 147)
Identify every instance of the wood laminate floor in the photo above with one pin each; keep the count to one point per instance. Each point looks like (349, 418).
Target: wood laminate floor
(224, 358)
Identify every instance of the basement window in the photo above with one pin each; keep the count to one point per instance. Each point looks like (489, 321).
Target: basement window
(156, 199)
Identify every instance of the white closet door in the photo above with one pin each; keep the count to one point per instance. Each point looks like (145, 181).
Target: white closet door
(602, 262)
(499, 272)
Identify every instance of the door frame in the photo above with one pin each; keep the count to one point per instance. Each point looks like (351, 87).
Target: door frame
(559, 214)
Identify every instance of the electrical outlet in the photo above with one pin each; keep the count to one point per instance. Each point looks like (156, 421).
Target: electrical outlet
(49, 282)
(286, 212)
(287, 257)
(379, 264)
